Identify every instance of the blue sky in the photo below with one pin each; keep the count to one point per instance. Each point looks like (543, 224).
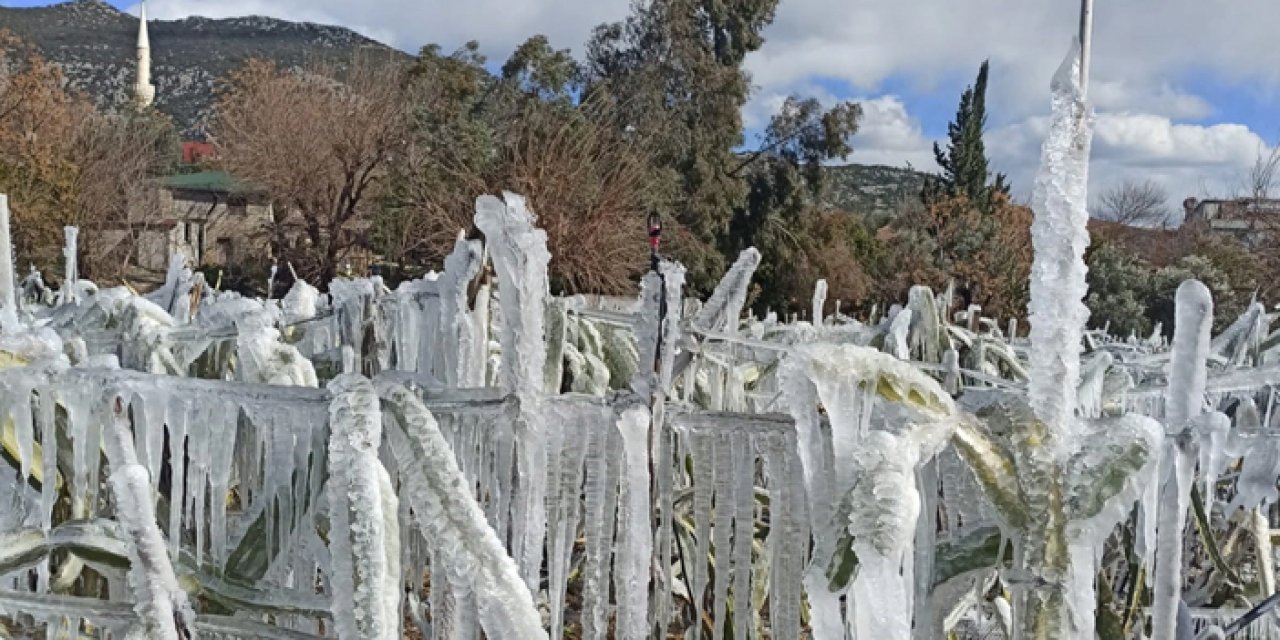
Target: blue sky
(1185, 92)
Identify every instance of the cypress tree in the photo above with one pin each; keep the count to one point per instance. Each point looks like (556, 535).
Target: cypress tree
(965, 170)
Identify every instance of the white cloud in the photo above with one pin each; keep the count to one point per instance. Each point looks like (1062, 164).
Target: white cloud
(889, 135)
(1188, 160)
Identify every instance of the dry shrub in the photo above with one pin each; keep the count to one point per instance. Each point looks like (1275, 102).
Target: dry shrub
(319, 141)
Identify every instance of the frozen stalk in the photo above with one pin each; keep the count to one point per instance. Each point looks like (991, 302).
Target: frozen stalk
(1059, 237)
(451, 518)
(365, 546)
(520, 258)
(160, 603)
(1183, 404)
(819, 301)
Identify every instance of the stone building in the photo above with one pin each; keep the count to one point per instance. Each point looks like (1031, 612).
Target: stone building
(210, 218)
(1245, 219)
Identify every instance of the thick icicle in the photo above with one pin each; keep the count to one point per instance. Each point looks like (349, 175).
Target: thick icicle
(520, 258)
(365, 577)
(635, 537)
(1060, 236)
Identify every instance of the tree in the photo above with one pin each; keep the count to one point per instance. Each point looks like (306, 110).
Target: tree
(986, 252)
(1137, 204)
(320, 142)
(783, 215)
(965, 171)
(674, 70)
(587, 178)
(64, 163)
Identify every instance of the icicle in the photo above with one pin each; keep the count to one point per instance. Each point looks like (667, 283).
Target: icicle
(702, 447)
(742, 490)
(722, 458)
(222, 445)
(635, 538)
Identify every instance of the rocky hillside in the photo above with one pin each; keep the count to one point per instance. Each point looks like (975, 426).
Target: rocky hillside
(873, 190)
(95, 43)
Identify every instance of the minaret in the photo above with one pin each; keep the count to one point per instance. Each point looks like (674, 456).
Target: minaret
(144, 92)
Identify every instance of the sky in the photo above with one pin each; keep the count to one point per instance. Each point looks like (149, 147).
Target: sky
(1184, 89)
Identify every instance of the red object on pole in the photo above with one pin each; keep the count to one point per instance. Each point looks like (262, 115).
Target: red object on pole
(655, 232)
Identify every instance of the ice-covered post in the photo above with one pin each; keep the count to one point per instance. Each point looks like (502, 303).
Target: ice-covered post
(8, 296)
(70, 253)
(1184, 402)
(520, 258)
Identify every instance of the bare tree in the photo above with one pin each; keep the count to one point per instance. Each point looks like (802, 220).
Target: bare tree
(1138, 204)
(1260, 181)
(319, 142)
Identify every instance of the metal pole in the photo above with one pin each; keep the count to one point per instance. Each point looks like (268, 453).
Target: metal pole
(1086, 43)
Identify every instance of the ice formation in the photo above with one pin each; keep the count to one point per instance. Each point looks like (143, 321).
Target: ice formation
(1059, 237)
(362, 504)
(520, 258)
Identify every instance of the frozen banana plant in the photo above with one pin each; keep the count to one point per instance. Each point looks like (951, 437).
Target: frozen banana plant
(1058, 483)
(450, 516)
(886, 418)
(365, 545)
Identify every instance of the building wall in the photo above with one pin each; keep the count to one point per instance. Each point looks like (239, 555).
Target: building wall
(217, 229)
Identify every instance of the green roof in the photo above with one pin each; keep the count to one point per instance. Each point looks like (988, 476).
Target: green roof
(217, 181)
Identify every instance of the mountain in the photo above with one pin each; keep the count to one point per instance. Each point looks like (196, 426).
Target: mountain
(95, 44)
(874, 191)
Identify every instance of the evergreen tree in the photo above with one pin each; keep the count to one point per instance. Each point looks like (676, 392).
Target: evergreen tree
(965, 171)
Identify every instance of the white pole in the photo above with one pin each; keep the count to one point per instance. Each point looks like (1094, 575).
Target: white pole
(1086, 44)
(8, 300)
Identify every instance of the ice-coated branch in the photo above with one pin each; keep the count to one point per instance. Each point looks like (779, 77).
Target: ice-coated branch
(451, 518)
(724, 308)
(159, 602)
(364, 546)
